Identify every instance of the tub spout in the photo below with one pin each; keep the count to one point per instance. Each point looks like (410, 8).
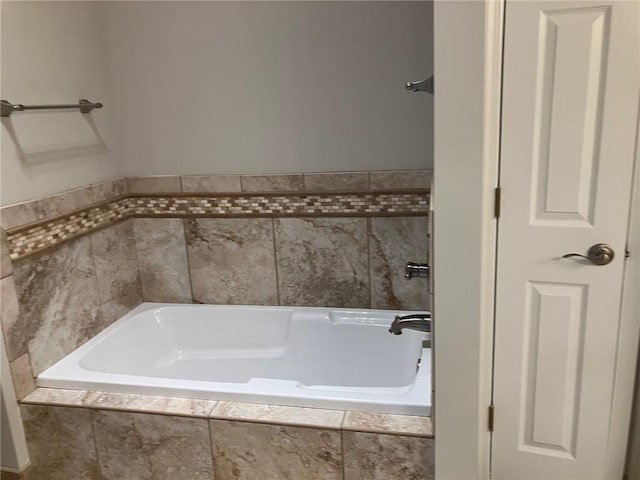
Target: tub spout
(416, 321)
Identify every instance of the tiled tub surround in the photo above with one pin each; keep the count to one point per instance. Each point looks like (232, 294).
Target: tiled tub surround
(120, 436)
(54, 301)
(45, 222)
(359, 240)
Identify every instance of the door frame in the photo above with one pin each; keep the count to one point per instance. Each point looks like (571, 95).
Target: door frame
(466, 168)
(629, 334)
(467, 126)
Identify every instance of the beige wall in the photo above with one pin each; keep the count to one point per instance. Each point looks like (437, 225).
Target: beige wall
(212, 87)
(51, 53)
(264, 87)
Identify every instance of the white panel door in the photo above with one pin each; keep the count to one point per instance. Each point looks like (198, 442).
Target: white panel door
(570, 100)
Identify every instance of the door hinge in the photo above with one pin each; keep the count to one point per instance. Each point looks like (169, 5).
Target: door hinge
(497, 197)
(492, 410)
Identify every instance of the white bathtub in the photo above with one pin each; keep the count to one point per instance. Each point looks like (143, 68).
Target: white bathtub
(310, 357)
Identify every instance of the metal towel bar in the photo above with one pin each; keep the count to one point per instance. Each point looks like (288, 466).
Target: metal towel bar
(83, 104)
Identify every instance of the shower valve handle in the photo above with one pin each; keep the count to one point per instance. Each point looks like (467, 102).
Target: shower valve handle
(416, 270)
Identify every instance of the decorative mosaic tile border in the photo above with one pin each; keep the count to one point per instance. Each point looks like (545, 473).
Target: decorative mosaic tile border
(38, 236)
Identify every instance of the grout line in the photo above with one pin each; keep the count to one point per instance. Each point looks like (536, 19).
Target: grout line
(266, 421)
(108, 408)
(392, 433)
(186, 248)
(369, 233)
(135, 252)
(213, 454)
(215, 405)
(275, 259)
(344, 419)
(100, 291)
(140, 276)
(95, 269)
(95, 443)
(126, 186)
(55, 405)
(344, 458)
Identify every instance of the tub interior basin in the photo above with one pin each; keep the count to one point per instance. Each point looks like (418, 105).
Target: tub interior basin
(238, 344)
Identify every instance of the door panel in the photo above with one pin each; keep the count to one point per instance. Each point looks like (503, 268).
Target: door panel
(552, 359)
(567, 117)
(570, 97)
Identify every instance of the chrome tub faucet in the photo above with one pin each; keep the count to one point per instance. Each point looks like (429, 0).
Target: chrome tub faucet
(416, 321)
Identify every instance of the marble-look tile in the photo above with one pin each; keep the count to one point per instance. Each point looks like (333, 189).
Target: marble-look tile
(61, 397)
(232, 260)
(154, 404)
(278, 414)
(66, 202)
(104, 191)
(116, 261)
(59, 301)
(272, 183)
(19, 214)
(394, 241)
(22, 375)
(336, 181)
(60, 442)
(15, 335)
(322, 262)
(154, 184)
(401, 179)
(152, 447)
(253, 451)
(162, 256)
(4, 475)
(388, 423)
(211, 183)
(5, 261)
(384, 457)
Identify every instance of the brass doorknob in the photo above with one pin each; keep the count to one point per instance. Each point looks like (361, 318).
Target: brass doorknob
(599, 254)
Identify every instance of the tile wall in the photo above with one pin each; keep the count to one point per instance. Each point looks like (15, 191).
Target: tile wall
(121, 436)
(341, 262)
(54, 301)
